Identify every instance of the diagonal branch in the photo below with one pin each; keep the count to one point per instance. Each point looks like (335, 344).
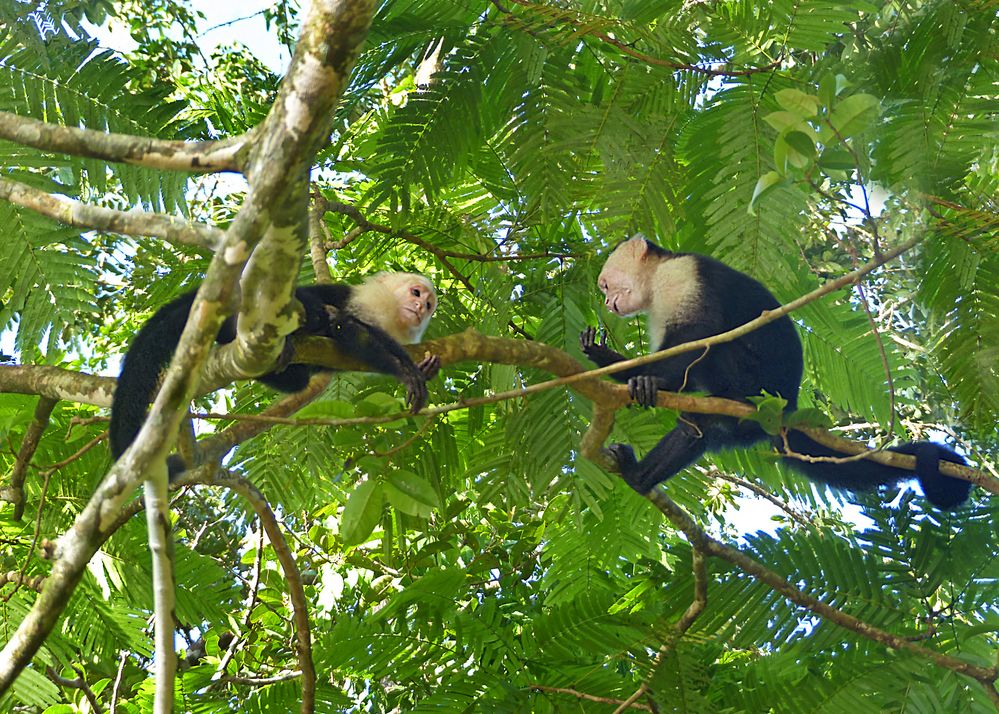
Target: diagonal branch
(700, 539)
(284, 147)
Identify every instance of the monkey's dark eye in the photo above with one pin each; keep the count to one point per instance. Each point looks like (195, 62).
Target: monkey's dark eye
(415, 292)
(430, 306)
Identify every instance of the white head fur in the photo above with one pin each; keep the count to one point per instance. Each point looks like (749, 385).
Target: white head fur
(399, 303)
(636, 280)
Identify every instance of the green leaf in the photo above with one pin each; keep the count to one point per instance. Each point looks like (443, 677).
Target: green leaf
(361, 514)
(837, 159)
(769, 412)
(766, 182)
(327, 409)
(377, 404)
(827, 91)
(801, 143)
(798, 103)
(809, 416)
(786, 121)
(853, 114)
(411, 494)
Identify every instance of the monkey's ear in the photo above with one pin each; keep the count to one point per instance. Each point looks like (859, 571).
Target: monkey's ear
(636, 246)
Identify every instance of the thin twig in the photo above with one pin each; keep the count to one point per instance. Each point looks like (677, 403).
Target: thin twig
(681, 626)
(648, 59)
(79, 683)
(586, 697)
(32, 437)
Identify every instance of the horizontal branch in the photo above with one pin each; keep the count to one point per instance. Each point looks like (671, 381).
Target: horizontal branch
(195, 157)
(57, 383)
(129, 223)
(471, 345)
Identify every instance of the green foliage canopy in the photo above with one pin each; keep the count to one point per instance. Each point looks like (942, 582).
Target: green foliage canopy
(484, 563)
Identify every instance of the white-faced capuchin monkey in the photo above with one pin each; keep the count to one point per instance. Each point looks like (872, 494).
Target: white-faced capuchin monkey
(368, 322)
(689, 297)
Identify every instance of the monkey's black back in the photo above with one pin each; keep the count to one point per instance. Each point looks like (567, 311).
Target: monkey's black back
(141, 370)
(767, 359)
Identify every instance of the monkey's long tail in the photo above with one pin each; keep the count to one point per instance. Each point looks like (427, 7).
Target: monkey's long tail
(147, 357)
(942, 491)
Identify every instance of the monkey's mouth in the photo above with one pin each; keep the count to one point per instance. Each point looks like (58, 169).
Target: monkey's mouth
(417, 317)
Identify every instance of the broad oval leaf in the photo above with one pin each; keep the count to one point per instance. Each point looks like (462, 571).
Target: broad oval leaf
(363, 509)
(837, 159)
(798, 102)
(785, 121)
(415, 487)
(853, 114)
(801, 142)
(411, 494)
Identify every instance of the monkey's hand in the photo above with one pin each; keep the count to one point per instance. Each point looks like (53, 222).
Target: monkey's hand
(597, 350)
(416, 388)
(643, 389)
(429, 366)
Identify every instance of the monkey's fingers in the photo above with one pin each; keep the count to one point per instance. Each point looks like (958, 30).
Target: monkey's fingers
(416, 391)
(643, 389)
(429, 366)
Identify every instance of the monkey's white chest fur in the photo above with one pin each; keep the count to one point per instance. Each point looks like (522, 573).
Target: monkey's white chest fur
(675, 294)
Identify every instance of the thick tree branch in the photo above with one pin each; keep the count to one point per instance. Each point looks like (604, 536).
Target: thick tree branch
(57, 383)
(160, 535)
(284, 148)
(296, 127)
(130, 223)
(195, 157)
(35, 582)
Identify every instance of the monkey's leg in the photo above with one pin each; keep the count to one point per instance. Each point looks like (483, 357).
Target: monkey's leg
(674, 452)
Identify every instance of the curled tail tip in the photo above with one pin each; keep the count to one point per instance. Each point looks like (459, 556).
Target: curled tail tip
(944, 492)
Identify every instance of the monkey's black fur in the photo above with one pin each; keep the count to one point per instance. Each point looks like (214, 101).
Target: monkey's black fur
(766, 359)
(327, 314)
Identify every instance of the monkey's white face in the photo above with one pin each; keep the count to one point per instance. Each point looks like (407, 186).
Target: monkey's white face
(623, 295)
(399, 303)
(416, 300)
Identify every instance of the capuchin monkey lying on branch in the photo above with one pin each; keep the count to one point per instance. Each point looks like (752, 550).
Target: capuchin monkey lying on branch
(689, 297)
(368, 322)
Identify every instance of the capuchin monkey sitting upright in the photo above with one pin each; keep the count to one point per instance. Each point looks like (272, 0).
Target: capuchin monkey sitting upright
(689, 297)
(368, 322)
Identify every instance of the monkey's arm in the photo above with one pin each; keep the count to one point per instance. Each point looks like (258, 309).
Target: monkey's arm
(601, 355)
(375, 348)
